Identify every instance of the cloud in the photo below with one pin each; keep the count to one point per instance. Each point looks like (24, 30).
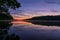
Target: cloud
(37, 7)
(41, 1)
(52, 1)
(32, 13)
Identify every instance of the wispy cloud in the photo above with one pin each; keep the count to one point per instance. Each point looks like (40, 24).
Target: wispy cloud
(52, 1)
(37, 8)
(32, 13)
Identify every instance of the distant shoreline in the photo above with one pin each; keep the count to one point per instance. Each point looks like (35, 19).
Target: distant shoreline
(5, 20)
(32, 20)
(43, 20)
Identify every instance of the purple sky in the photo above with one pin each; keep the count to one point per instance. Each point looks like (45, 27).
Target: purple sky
(37, 8)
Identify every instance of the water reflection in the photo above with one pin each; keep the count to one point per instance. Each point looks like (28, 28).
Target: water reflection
(36, 25)
(21, 22)
(4, 27)
(29, 31)
(46, 23)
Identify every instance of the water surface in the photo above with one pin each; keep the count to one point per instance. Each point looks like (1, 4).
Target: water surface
(28, 31)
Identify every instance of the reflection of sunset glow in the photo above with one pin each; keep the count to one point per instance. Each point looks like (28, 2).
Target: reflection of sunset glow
(21, 22)
(33, 26)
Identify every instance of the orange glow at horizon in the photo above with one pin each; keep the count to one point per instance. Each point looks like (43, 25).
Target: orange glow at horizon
(20, 18)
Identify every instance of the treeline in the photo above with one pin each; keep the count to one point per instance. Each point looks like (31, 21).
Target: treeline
(5, 16)
(57, 17)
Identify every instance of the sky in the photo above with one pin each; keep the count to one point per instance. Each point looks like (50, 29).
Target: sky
(31, 8)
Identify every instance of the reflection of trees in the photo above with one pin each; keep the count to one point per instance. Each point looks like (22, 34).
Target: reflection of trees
(47, 23)
(12, 37)
(4, 27)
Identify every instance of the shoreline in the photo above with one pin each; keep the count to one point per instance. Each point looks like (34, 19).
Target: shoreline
(32, 20)
(43, 20)
(5, 20)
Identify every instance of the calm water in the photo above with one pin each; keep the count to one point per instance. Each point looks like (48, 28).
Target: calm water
(29, 31)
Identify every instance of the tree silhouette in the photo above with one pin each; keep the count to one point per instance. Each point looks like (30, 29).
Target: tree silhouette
(6, 4)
